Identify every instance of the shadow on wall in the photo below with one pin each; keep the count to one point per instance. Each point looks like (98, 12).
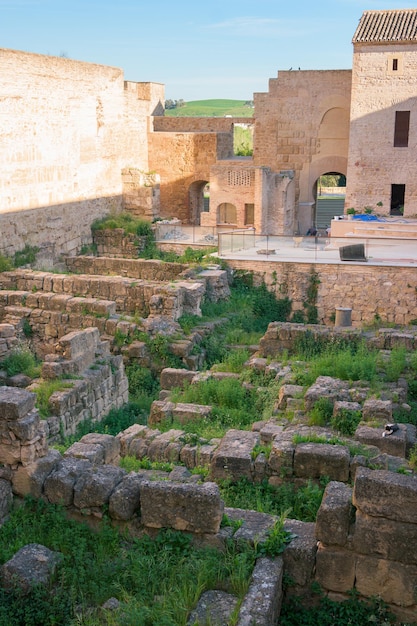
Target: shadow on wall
(60, 229)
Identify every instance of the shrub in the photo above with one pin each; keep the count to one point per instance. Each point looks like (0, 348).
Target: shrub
(321, 412)
(5, 264)
(21, 361)
(27, 256)
(346, 421)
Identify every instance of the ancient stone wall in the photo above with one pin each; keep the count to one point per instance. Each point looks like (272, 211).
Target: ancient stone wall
(365, 538)
(8, 340)
(198, 124)
(392, 289)
(64, 142)
(377, 93)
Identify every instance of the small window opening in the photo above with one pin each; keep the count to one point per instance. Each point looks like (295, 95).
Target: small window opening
(394, 65)
(402, 126)
(397, 199)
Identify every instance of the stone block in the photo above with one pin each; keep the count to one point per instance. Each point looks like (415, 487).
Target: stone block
(386, 494)
(313, 460)
(59, 485)
(26, 428)
(6, 499)
(335, 569)
(373, 408)
(394, 583)
(213, 607)
(335, 515)
(77, 343)
(385, 538)
(160, 412)
(395, 444)
(172, 378)
(15, 403)
(281, 457)
(233, 458)
(94, 487)
(124, 501)
(254, 526)
(184, 412)
(182, 506)
(110, 445)
(32, 565)
(262, 602)
(300, 555)
(328, 387)
(286, 392)
(29, 479)
(91, 452)
(128, 435)
(159, 444)
(11, 452)
(270, 431)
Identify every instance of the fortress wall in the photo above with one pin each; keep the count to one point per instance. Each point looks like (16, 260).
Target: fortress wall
(67, 128)
(387, 292)
(377, 93)
(198, 124)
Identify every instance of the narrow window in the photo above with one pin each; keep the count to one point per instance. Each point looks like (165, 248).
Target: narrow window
(394, 65)
(402, 125)
(249, 214)
(397, 199)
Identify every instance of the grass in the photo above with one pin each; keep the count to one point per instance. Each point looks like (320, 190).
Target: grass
(326, 612)
(44, 391)
(21, 361)
(300, 503)
(157, 581)
(211, 108)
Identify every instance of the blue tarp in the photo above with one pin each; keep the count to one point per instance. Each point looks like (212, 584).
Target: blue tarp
(366, 217)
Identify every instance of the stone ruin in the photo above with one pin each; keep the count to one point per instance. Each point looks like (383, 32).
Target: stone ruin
(75, 319)
(349, 546)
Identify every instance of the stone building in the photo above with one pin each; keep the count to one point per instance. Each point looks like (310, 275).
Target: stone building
(78, 142)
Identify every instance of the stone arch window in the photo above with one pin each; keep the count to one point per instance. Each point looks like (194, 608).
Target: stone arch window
(226, 213)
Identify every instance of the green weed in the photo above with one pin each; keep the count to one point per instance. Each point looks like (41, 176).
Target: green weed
(321, 412)
(300, 503)
(346, 421)
(21, 361)
(44, 391)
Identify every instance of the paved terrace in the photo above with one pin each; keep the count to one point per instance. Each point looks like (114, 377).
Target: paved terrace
(382, 251)
(245, 244)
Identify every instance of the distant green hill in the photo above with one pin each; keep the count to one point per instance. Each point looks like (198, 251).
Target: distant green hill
(212, 108)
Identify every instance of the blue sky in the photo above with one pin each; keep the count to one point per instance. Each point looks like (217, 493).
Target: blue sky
(198, 48)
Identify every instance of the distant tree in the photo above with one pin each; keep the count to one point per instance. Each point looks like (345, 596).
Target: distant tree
(170, 104)
(173, 104)
(249, 103)
(333, 180)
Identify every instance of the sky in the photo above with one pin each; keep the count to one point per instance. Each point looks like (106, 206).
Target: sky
(199, 49)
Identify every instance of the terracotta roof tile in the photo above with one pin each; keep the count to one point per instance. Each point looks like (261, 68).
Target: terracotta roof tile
(387, 26)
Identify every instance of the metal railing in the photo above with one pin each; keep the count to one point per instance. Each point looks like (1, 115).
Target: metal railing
(177, 233)
(246, 244)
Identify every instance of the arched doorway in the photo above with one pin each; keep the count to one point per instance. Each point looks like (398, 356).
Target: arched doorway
(226, 213)
(329, 192)
(199, 200)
